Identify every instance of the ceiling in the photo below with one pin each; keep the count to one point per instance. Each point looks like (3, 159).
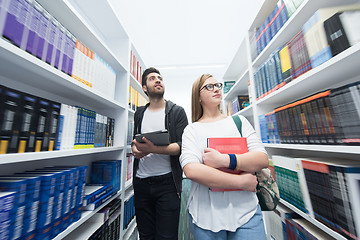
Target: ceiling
(185, 39)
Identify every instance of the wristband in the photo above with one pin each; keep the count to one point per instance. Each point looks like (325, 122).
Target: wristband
(233, 161)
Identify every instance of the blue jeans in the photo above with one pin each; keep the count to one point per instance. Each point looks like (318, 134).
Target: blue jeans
(157, 207)
(253, 229)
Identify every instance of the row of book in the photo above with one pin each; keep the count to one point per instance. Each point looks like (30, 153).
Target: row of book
(136, 99)
(317, 42)
(26, 24)
(239, 103)
(130, 131)
(105, 182)
(129, 167)
(106, 172)
(96, 195)
(228, 85)
(90, 69)
(273, 23)
(324, 188)
(135, 68)
(81, 128)
(129, 211)
(31, 124)
(283, 223)
(328, 117)
(111, 216)
(41, 203)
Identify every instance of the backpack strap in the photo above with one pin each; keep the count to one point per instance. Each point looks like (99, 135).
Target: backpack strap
(238, 123)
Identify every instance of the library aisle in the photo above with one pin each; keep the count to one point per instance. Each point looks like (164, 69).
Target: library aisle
(70, 85)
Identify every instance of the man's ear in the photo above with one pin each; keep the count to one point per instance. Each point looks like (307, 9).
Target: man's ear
(144, 88)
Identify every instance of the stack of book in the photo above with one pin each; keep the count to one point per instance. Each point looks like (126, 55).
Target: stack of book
(28, 123)
(328, 32)
(26, 24)
(46, 201)
(32, 124)
(269, 76)
(110, 216)
(291, 182)
(135, 99)
(96, 195)
(271, 26)
(135, 67)
(129, 211)
(324, 188)
(328, 117)
(106, 172)
(334, 193)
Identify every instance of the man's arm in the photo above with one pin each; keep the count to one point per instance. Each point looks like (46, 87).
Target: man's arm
(181, 123)
(149, 147)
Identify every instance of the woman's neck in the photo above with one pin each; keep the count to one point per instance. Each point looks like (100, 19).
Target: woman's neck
(212, 116)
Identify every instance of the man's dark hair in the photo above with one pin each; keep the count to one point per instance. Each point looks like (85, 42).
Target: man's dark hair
(147, 72)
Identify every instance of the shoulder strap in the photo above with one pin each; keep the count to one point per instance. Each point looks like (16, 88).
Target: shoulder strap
(238, 123)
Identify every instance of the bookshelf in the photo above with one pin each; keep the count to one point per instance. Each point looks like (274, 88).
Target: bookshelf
(339, 70)
(89, 22)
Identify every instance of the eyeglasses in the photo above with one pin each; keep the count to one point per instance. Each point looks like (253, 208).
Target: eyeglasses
(210, 86)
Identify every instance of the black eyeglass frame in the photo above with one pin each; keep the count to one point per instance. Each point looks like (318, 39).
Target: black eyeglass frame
(211, 86)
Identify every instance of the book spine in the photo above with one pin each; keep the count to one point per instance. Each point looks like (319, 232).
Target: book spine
(15, 21)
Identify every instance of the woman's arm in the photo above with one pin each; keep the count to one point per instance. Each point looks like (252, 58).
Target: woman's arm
(215, 178)
(249, 162)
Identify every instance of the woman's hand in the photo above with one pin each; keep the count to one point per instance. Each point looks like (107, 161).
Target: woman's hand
(215, 159)
(250, 181)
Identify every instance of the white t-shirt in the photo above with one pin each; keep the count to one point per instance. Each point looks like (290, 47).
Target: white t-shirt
(217, 211)
(153, 164)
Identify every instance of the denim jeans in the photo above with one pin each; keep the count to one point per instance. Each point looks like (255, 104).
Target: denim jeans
(157, 207)
(253, 229)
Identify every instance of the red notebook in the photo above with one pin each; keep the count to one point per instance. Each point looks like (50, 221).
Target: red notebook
(228, 145)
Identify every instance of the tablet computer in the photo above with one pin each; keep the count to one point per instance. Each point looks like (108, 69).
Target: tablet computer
(160, 138)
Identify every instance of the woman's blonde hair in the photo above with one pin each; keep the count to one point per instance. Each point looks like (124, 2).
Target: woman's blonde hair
(196, 108)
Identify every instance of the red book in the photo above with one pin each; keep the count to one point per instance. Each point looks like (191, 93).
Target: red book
(228, 145)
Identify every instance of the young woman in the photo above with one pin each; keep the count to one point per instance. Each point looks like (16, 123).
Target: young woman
(227, 214)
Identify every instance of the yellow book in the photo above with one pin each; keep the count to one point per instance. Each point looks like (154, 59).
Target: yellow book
(285, 63)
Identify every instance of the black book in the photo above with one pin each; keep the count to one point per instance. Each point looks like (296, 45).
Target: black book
(346, 106)
(335, 34)
(243, 101)
(10, 127)
(29, 117)
(321, 131)
(2, 101)
(298, 121)
(305, 122)
(281, 126)
(43, 125)
(291, 122)
(54, 116)
(314, 124)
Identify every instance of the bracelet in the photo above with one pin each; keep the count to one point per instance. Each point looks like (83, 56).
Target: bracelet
(233, 161)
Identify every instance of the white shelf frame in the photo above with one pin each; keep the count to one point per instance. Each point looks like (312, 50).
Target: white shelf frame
(74, 15)
(39, 156)
(313, 221)
(343, 66)
(48, 78)
(84, 217)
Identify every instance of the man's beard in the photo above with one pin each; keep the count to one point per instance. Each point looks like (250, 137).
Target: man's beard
(156, 94)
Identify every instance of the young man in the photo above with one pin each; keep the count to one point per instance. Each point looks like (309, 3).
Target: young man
(157, 171)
